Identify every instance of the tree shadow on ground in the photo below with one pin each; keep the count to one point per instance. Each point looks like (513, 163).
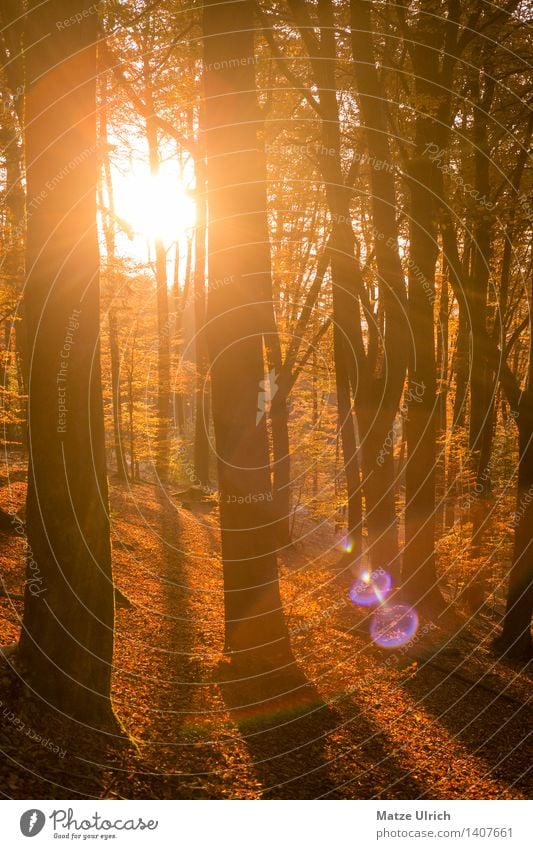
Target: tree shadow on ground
(173, 669)
(481, 712)
(284, 723)
(290, 733)
(45, 753)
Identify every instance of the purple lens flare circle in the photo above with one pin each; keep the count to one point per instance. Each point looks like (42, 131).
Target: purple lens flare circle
(371, 588)
(393, 625)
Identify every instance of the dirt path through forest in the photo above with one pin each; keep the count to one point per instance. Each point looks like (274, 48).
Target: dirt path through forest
(356, 723)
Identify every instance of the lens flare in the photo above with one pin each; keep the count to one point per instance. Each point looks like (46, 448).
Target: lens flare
(393, 625)
(371, 588)
(345, 544)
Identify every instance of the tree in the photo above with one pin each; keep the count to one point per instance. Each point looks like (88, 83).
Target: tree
(201, 419)
(375, 394)
(239, 254)
(108, 226)
(67, 635)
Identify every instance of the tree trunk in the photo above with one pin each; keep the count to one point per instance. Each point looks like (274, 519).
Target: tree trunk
(131, 420)
(433, 86)
(481, 377)
(12, 262)
(201, 425)
(108, 220)
(67, 635)
(419, 573)
(376, 397)
(180, 304)
(122, 472)
(515, 639)
(346, 426)
(442, 404)
(239, 252)
(378, 419)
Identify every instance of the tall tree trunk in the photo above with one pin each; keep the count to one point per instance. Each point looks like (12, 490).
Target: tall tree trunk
(181, 303)
(419, 556)
(442, 403)
(378, 420)
(201, 425)
(12, 260)
(131, 421)
(67, 634)
(239, 250)
(516, 640)
(108, 219)
(482, 378)
(279, 421)
(314, 420)
(346, 427)
(12, 58)
(122, 472)
(460, 369)
(433, 87)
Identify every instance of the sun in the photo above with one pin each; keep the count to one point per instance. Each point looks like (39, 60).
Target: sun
(158, 207)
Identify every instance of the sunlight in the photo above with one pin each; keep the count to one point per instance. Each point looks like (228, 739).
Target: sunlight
(159, 207)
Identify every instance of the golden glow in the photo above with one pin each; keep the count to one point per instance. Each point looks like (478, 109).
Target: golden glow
(158, 207)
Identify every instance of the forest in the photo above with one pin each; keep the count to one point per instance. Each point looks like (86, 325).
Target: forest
(266, 399)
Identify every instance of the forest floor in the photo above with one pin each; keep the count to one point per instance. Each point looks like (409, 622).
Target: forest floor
(441, 719)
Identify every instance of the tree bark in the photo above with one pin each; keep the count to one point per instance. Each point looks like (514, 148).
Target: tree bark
(122, 471)
(67, 634)
(516, 640)
(433, 53)
(239, 254)
(108, 221)
(419, 573)
(201, 423)
(378, 420)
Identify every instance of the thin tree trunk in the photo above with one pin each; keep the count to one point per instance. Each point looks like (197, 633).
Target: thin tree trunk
(108, 219)
(346, 426)
(460, 369)
(179, 398)
(442, 404)
(131, 419)
(12, 263)
(481, 377)
(419, 556)
(201, 427)
(122, 472)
